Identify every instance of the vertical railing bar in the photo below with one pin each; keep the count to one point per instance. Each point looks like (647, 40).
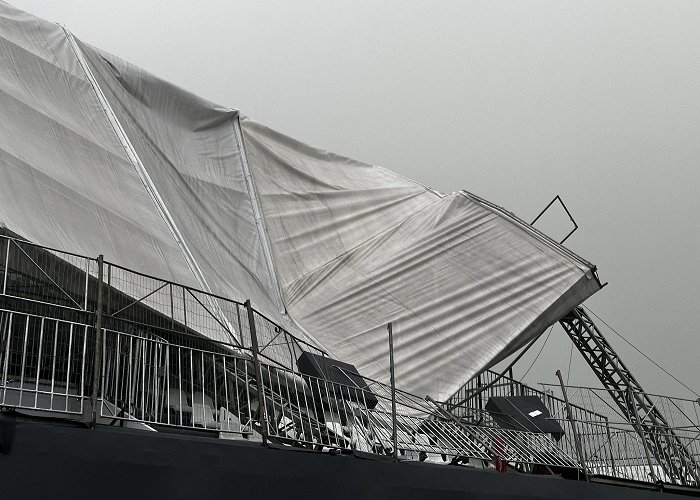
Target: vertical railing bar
(151, 378)
(38, 363)
(109, 376)
(281, 404)
(247, 390)
(228, 420)
(341, 404)
(7, 268)
(112, 374)
(299, 409)
(172, 309)
(216, 395)
(184, 308)
(109, 288)
(24, 361)
(284, 402)
(167, 378)
(130, 374)
(237, 392)
(192, 386)
(179, 381)
(330, 400)
(370, 432)
(143, 345)
(320, 419)
(156, 378)
(240, 328)
(3, 377)
(87, 281)
(308, 412)
(70, 350)
(201, 370)
(338, 397)
(82, 369)
(53, 365)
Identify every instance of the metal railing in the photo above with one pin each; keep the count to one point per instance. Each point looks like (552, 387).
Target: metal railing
(44, 363)
(630, 454)
(41, 276)
(176, 311)
(147, 379)
(174, 356)
(470, 401)
(611, 445)
(150, 380)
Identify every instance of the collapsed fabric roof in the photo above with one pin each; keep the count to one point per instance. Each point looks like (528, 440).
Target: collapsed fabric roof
(98, 156)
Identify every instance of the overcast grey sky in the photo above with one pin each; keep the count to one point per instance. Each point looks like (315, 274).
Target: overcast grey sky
(598, 101)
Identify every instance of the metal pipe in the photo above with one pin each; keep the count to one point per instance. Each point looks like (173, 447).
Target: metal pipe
(262, 409)
(577, 438)
(394, 437)
(97, 374)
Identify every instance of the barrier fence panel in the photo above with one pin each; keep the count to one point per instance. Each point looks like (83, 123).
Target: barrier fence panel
(42, 276)
(151, 380)
(44, 363)
(171, 309)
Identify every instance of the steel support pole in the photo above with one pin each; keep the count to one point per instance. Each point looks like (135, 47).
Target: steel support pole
(262, 406)
(99, 341)
(570, 415)
(394, 436)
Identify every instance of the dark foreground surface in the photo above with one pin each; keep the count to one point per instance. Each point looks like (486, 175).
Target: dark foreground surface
(49, 460)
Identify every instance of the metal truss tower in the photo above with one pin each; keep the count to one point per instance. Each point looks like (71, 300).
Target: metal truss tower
(657, 436)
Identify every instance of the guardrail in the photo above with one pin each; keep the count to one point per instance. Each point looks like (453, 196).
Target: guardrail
(44, 363)
(149, 380)
(632, 456)
(62, 285)
(174, 356)
(470, 400)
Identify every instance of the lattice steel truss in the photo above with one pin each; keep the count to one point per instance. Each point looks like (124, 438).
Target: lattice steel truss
(657, 435)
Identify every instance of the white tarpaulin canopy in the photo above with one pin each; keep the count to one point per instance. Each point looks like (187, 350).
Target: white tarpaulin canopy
(98, 156)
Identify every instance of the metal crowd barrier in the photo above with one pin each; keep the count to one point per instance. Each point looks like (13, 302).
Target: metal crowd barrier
(174, 356)
(44, 363)
(149, 380)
